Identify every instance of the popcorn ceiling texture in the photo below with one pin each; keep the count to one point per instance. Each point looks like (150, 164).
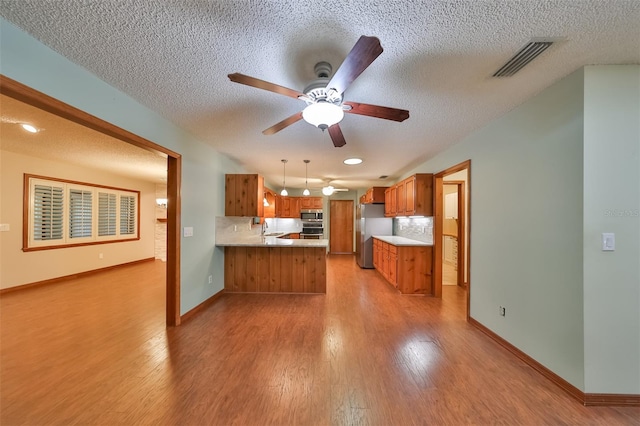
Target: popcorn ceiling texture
(174, 57)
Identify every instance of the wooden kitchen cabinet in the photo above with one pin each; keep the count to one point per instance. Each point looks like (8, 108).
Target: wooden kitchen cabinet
(244, 195)
(374, 195)
(411, 197)
(288, 207)
(270, 196)
(390, 201)
(310, 202)
(407, 268)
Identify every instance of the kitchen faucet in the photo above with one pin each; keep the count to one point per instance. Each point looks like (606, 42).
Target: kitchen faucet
(264, 227)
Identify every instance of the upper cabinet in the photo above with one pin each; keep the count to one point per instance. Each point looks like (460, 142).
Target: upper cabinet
(270, 205)
(410, 197)
(374, 195)
(311, 203)
(244, 195)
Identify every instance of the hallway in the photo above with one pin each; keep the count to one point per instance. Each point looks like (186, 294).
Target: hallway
(95, 351)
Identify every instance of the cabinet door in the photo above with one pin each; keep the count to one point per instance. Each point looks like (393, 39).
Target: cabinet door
(317, 203)
(387, 203)
(393, 268)
(295, 208)
(306, 203)
(385, 260)
(244, 195)
(400, 199)
(410, 196)
(393, 210)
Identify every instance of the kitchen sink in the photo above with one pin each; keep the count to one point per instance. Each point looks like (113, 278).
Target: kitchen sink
(273, 234)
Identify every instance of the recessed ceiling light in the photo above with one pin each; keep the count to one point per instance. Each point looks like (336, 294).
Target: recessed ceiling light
(29, 128)
(352, 161)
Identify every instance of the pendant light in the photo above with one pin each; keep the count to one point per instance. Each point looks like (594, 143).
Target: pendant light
(306, 192)
(284, 192)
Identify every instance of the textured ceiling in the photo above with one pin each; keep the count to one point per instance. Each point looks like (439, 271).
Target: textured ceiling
(62, 140)
(174, 57)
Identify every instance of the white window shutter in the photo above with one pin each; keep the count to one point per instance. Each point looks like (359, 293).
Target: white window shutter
(48, 213)
(106, 214)
(80, 213)
(127, 215)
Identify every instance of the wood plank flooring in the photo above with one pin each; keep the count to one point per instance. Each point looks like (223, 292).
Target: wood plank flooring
(96, 351)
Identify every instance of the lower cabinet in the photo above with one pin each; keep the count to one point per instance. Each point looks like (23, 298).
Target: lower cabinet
(407, 268)
(275, 269)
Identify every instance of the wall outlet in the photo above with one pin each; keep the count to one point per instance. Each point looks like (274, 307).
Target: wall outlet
(235, 228)
(503, 311)
(210, 279)
(100, 256)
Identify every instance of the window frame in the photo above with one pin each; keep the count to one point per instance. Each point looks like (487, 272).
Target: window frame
(30, 244)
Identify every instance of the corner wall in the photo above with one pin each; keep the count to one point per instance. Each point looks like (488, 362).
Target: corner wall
(24, 59)
(612, 204)
(526, 225)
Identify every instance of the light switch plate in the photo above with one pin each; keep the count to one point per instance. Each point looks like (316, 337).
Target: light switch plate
(188, 231)
(4, 227)
(608, 241)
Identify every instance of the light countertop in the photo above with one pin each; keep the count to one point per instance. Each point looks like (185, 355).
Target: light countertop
(400, 241)
(269, 241)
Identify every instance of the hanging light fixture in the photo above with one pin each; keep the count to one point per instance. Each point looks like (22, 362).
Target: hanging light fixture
(328, 190)
(323, 114)
(306, 191)
(284, 192)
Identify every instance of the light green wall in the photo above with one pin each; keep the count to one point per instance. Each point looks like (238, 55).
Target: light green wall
(26, 60)
(612, 204)
(526, 225)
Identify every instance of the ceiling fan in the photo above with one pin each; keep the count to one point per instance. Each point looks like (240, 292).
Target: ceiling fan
(325, 106)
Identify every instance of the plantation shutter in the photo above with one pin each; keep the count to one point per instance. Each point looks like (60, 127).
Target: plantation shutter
(106, 214)
(127, 215)
(80, 213)
(48, 211)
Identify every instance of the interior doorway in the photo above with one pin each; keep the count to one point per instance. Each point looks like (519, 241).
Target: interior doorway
(341, 220)
(452, 229)
(40, 100)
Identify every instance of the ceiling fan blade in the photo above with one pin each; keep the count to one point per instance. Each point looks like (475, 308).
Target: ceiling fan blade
(265, 85)
(387, 113)
(365, 51)
(336, 136)
(284, 123)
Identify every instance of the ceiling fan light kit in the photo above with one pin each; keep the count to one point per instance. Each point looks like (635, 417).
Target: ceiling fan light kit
(328, 190)
(323, 114)
(325, 107)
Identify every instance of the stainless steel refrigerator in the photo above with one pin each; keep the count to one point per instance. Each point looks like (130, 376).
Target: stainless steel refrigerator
(370, 221)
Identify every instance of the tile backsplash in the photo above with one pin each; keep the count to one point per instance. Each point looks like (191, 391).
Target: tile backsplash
(237, 226)
(416, 228)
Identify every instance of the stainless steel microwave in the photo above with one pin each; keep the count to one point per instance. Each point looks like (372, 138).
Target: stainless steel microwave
(311, 215)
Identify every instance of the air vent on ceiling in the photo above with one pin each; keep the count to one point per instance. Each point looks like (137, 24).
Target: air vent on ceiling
(383, 177)
(527, 54)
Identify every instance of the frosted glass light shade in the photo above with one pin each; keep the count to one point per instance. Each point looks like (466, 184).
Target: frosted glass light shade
(306, 192)
(327, 190)
(284, 192)
(323, 114)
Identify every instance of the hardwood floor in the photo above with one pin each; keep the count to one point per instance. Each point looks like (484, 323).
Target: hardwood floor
(95, 351)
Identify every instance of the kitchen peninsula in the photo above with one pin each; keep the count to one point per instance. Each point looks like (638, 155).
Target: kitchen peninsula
(267, 264)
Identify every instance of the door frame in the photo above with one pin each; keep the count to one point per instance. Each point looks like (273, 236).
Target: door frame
(438, 225)
(30, 96)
